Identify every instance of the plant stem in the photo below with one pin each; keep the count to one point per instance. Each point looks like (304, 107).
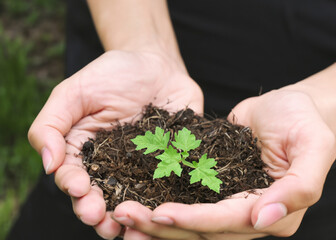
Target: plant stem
(187, 163)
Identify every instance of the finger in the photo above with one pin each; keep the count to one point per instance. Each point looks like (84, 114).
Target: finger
(242, 109)
(231, 215)
(283, 228)
(229, 219)
(91, 208)
(47, 132)
(71, 177)
(132, 234)
(232, 236)
(286, 226)
(302, 185)
(138, 217)
(73, 180)
(107, 228)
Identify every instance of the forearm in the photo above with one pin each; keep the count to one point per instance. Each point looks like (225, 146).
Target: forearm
(134, 25)
(322, 88)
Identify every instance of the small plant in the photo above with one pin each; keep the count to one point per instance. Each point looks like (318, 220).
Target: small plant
(172, 158)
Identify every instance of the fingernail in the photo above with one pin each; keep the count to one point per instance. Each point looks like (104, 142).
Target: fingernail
(163, 220)
(46, 159)
(270, 214)
(124, 221)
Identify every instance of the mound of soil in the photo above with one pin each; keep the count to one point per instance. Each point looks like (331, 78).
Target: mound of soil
(124, 173)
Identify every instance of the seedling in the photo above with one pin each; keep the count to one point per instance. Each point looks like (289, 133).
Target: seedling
(176, 153)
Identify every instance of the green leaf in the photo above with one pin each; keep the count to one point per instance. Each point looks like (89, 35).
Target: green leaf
(185, 141)
(205, 174)
(152, 142)
(185, 154)
(170, 162)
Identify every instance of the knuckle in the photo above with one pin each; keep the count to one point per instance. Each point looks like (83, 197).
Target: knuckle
(106, 234)
(287, 233)
(61, 177)
(310, 193)
(164, 208)
(289, 230)
(32, 134)
(288, 226)
(88, 216)
(331, 139)
(303, 192)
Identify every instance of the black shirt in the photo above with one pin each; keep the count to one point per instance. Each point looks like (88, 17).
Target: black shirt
(234, 49)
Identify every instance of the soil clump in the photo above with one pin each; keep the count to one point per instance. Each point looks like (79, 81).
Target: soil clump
(124, 173)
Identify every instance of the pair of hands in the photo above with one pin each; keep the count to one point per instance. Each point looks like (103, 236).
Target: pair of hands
(297, 145)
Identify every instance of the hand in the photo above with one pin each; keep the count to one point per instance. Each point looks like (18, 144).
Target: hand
(115, 86)
(299, 148)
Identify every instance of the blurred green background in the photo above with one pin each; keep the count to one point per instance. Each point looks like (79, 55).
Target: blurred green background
(31, 64)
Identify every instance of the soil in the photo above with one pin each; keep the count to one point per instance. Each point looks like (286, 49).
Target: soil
(124, 173)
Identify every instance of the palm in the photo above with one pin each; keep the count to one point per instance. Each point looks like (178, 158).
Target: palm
(298, 148)
(288, 126)
(293, 136)
(116, 86)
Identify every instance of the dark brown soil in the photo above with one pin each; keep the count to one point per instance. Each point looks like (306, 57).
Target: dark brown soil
(127, 174)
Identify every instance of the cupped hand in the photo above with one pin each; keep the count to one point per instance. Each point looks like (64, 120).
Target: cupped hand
(299, 149)
(115, 86)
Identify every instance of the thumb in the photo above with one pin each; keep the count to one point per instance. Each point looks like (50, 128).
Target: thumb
(54, 121)
(302, 184)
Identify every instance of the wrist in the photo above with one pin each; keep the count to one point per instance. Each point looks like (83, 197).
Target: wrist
(321, 88)
(137, 26)
(154, 45)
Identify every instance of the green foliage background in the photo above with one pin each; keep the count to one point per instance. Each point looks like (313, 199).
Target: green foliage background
(22, 94)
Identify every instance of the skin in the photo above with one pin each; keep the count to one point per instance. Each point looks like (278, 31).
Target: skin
(142, 64)
(297, 144)
(299, 148)
(104, 91)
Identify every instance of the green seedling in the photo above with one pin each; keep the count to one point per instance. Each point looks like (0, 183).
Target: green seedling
(176, 154)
